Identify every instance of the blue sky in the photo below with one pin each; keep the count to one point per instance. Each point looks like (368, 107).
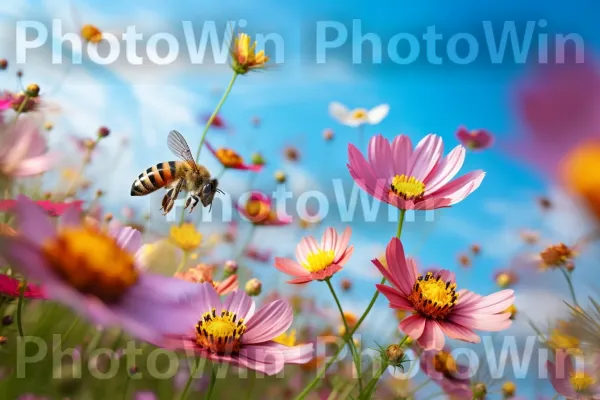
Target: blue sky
(143, 103)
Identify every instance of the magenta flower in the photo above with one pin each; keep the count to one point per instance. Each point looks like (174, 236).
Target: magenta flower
(451, 376)
(259, 210)
(23, 150)
(419, 179)
(93, 272)
(571, 383)
(438, 309)
(231, 332)
(317, 262)
(12, 287)
(5, 103)
(476, 139)
(53, 209)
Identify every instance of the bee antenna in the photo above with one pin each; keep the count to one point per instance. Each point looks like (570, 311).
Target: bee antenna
(220, 191)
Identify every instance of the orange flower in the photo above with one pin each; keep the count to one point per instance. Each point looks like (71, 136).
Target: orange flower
(230, 159)
(557, 256)
(577, 175)
(91, 33)
(244, 57)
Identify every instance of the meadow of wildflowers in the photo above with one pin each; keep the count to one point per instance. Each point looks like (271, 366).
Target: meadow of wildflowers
(99, 300)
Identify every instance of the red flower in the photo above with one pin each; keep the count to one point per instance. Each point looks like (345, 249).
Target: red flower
(230, 159)
(54, 209)
(217, 122)
(12, 287)
(476, 139)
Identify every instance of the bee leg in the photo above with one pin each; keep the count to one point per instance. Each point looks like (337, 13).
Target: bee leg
(166, 198)
(196, 200)
(188, 202)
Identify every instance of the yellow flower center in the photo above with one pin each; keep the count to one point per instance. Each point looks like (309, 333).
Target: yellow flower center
(220, 333)
(287, 339)
(433, 297)
(91, 262)
(581, 381)
(556, 256)
(319, 260)
(258, 211)
(186, 237)
(229, 158)
(359, 113)
(91, 33)
(444, 363)
(409, 188)
(576, 174)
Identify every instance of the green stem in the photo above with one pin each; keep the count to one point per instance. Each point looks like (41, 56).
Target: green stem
(570, 283)
(251, 386)
(320, 374)
(348, 338)
(21, 107)
(214, 114)
(373, 383)
(67, 333)
(188, 384)
(20, 306)
(213, 380)
(183, 262)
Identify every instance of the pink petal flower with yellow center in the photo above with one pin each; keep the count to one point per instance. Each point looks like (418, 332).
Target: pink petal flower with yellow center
(232, 332)
(230, 159)
(438, 309)
(407, 178)
(476, 139)
(577, 384)
(95, 272)
(317, 261)
(259, 210)
(204, 273)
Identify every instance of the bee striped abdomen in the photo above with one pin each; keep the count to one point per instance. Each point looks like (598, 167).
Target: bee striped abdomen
(154, 178)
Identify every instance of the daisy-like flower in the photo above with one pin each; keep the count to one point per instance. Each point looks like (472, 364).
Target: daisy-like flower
(230, 159)
(204, 273)
(317, 261)
(444, 370)
(438, 308)
(572, 383)
(476, 139)
(244, 57)
(23, 150)
(358, 116)
(53, 209)
(557, 256)
(259, 210)
(12, 287)
(185, 236)
(232, 332)
(91, 33)
(419, 179)
(72, 262)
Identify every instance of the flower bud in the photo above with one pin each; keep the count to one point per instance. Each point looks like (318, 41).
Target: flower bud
(346, 284)
(280, 177)
(230, 267)
(48, 126)
(479, 391)
(99, 193)
(103, 132)
(328, 134)
(257, 159)
(3, 64)
(394, 353)
(19, 74)
(509, 389)
(253, 287)
(32, 90)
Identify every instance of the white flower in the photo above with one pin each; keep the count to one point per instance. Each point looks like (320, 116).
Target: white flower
(358, 116)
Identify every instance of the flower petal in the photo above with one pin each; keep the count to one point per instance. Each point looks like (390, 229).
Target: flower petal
(290, 267)
(378, 113)
(268, 322)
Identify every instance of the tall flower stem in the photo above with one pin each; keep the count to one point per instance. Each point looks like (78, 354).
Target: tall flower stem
(213, 381)
(20, 306)
(25, 100)
(348, 338)
(333, 359)
(570, 283)
(214, 114)
(183, 263)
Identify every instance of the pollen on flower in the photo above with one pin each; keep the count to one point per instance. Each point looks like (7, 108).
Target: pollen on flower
(229, 158)
(287, 339)
(220, 333)
(91, 262)
(556, 256)
(409, 188)
(433, 297)
(319, 260)
(581, 381)
(186, 237)
(359, 114)
(444, 363)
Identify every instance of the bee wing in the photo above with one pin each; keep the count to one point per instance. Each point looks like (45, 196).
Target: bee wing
(180, 148)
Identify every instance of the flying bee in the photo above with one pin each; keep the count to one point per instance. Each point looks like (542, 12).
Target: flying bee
(177, 176)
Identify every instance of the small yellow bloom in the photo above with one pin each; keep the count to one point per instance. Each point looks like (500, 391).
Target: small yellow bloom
(91, 33)
(186, 237)
(287, 339)
(559, 339)
(509, 389)
(244, 57)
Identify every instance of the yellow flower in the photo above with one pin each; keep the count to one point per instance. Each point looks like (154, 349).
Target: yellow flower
(91, 33)
(186, 237)
(576, 168)
(559, 339)
(244, 57)
(161, 257)
(287, 339)
(509, 389)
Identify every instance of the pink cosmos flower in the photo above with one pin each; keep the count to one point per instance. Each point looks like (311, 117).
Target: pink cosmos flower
(317, 261)
(558, 105)
(438, 309)
(23, 150)
(231, 332)
(476, 139)
(258, 210)
(571, 383)
(53, 209)
(204, 273)
(230, 159)
(419, 179)
(73, 263)
(12, 287)
(451, 376)
(263, 256)
(5, 103)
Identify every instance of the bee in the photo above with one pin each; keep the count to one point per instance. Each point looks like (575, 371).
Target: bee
(177, 176)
